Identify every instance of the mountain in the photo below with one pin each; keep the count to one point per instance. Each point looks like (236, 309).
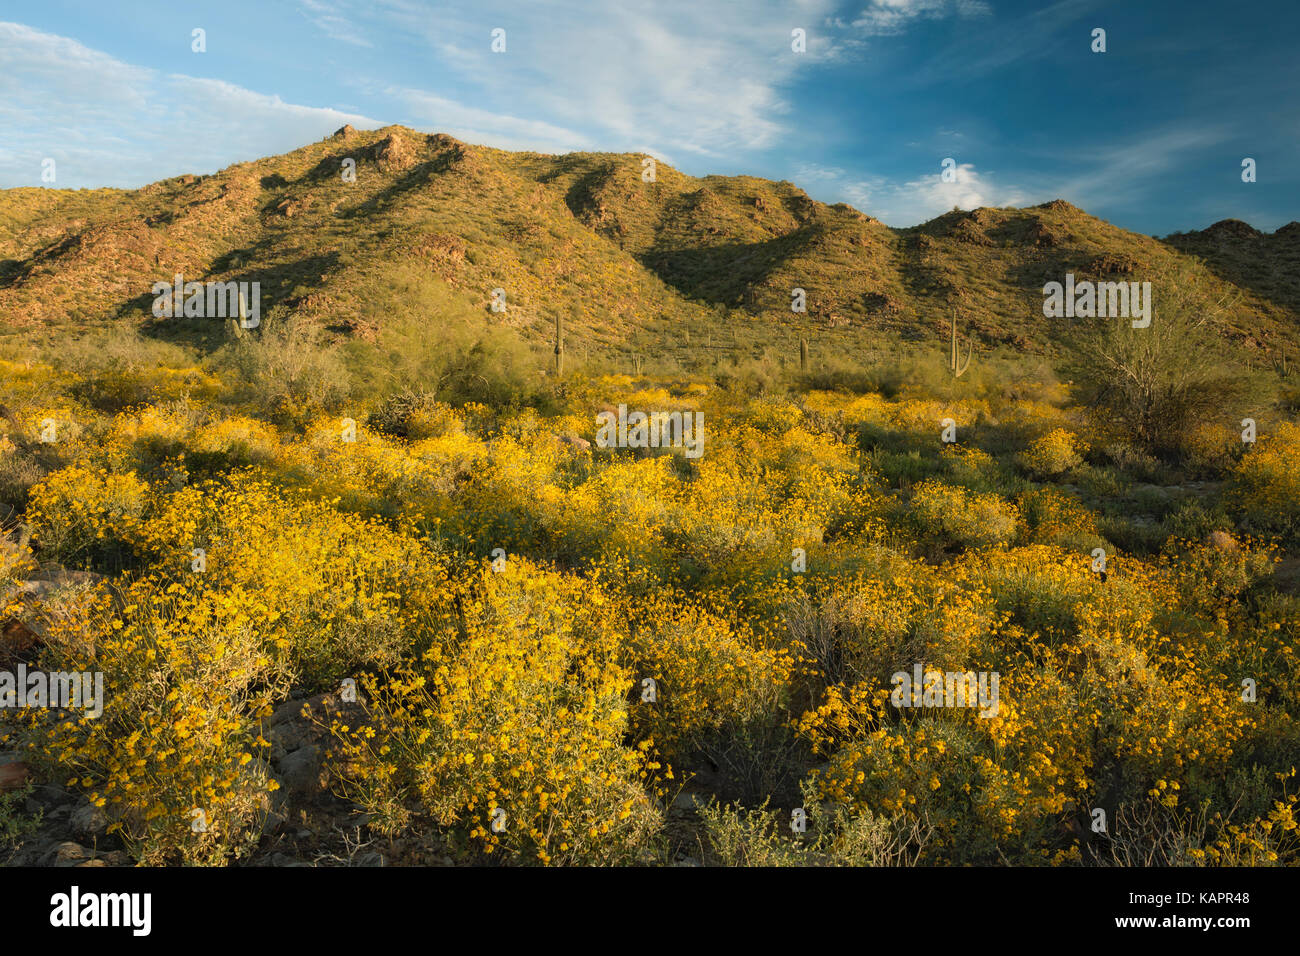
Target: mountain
(432, 225)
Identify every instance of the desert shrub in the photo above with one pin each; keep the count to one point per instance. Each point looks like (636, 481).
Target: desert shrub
(1101, 481)
(16, 823)
(773, 416)
(953, 516)
(750, 376)
(867, 626)
(1195, 520)
(902, 469)
(957, 775)
(1052, 454)
(186, 674)
(972, 468)
(117, 367)
(289, 371)
(429, 339)
(1157, 382)
(855, 633)
(1265, 484)
(1210, 446)
(375, 475)
(709, 678)
(247, 591)
(144, 439)
(519, 707)
(233, 442)
(1289, 400)
(834, 836)
(1051, 592)
(415, 414)
(751, 491)
(1134, 461)
(1158, 831)
(19, 472)
(837, 373)
(88, 517)
(1057, 517)
(15, 554)
(497, 369)
(1217, 574)
(347, 590)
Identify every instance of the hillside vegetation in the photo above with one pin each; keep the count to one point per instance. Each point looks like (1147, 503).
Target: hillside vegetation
(361, 580)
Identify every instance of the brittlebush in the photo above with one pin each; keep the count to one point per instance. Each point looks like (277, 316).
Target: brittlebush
(509, 729)
(769, 590)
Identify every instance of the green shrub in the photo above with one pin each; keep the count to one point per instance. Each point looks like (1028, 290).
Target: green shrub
(954, 516)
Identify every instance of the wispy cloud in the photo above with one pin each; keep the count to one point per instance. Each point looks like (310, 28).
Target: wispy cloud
(332, 21)
(994, 44)
(889, 17)
(106, 122)
(902, 203)
(1121, 170)
(481, 126)
(680, 75)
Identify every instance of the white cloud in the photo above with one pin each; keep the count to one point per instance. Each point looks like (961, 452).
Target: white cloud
(1126, 169)
(108, 123)
(889, 17)
(908, 202)
(482, 126)
(680, 75)
(329, 19)
(1114, 173)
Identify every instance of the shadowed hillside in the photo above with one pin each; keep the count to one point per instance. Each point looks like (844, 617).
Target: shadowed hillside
(376, 578)
(674, 267)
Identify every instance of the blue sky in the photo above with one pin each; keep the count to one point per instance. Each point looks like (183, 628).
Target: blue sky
(1150, 134)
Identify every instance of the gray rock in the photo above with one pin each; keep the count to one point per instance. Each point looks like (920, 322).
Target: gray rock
(290, 710)
(88, 821)
(68, 854)
(300, 771)
(687, 801)
(271, 822)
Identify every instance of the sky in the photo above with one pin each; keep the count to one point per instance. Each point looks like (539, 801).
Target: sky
(1150, 134)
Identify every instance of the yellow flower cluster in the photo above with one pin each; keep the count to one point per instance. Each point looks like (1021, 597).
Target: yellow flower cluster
(548, 635)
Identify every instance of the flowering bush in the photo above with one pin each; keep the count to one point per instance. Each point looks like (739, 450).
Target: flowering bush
(549, 638)
(953, 516)
(87, 516)
(1265, 483)
(1053, 454)
(509, 728)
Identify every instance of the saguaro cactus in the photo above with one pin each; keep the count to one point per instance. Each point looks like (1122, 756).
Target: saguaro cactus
(957, 367)
(559, 347)
(1280, 364)
(235, 323)
(803, 355)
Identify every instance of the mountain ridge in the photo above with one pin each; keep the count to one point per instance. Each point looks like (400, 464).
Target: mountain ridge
(627, 264)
